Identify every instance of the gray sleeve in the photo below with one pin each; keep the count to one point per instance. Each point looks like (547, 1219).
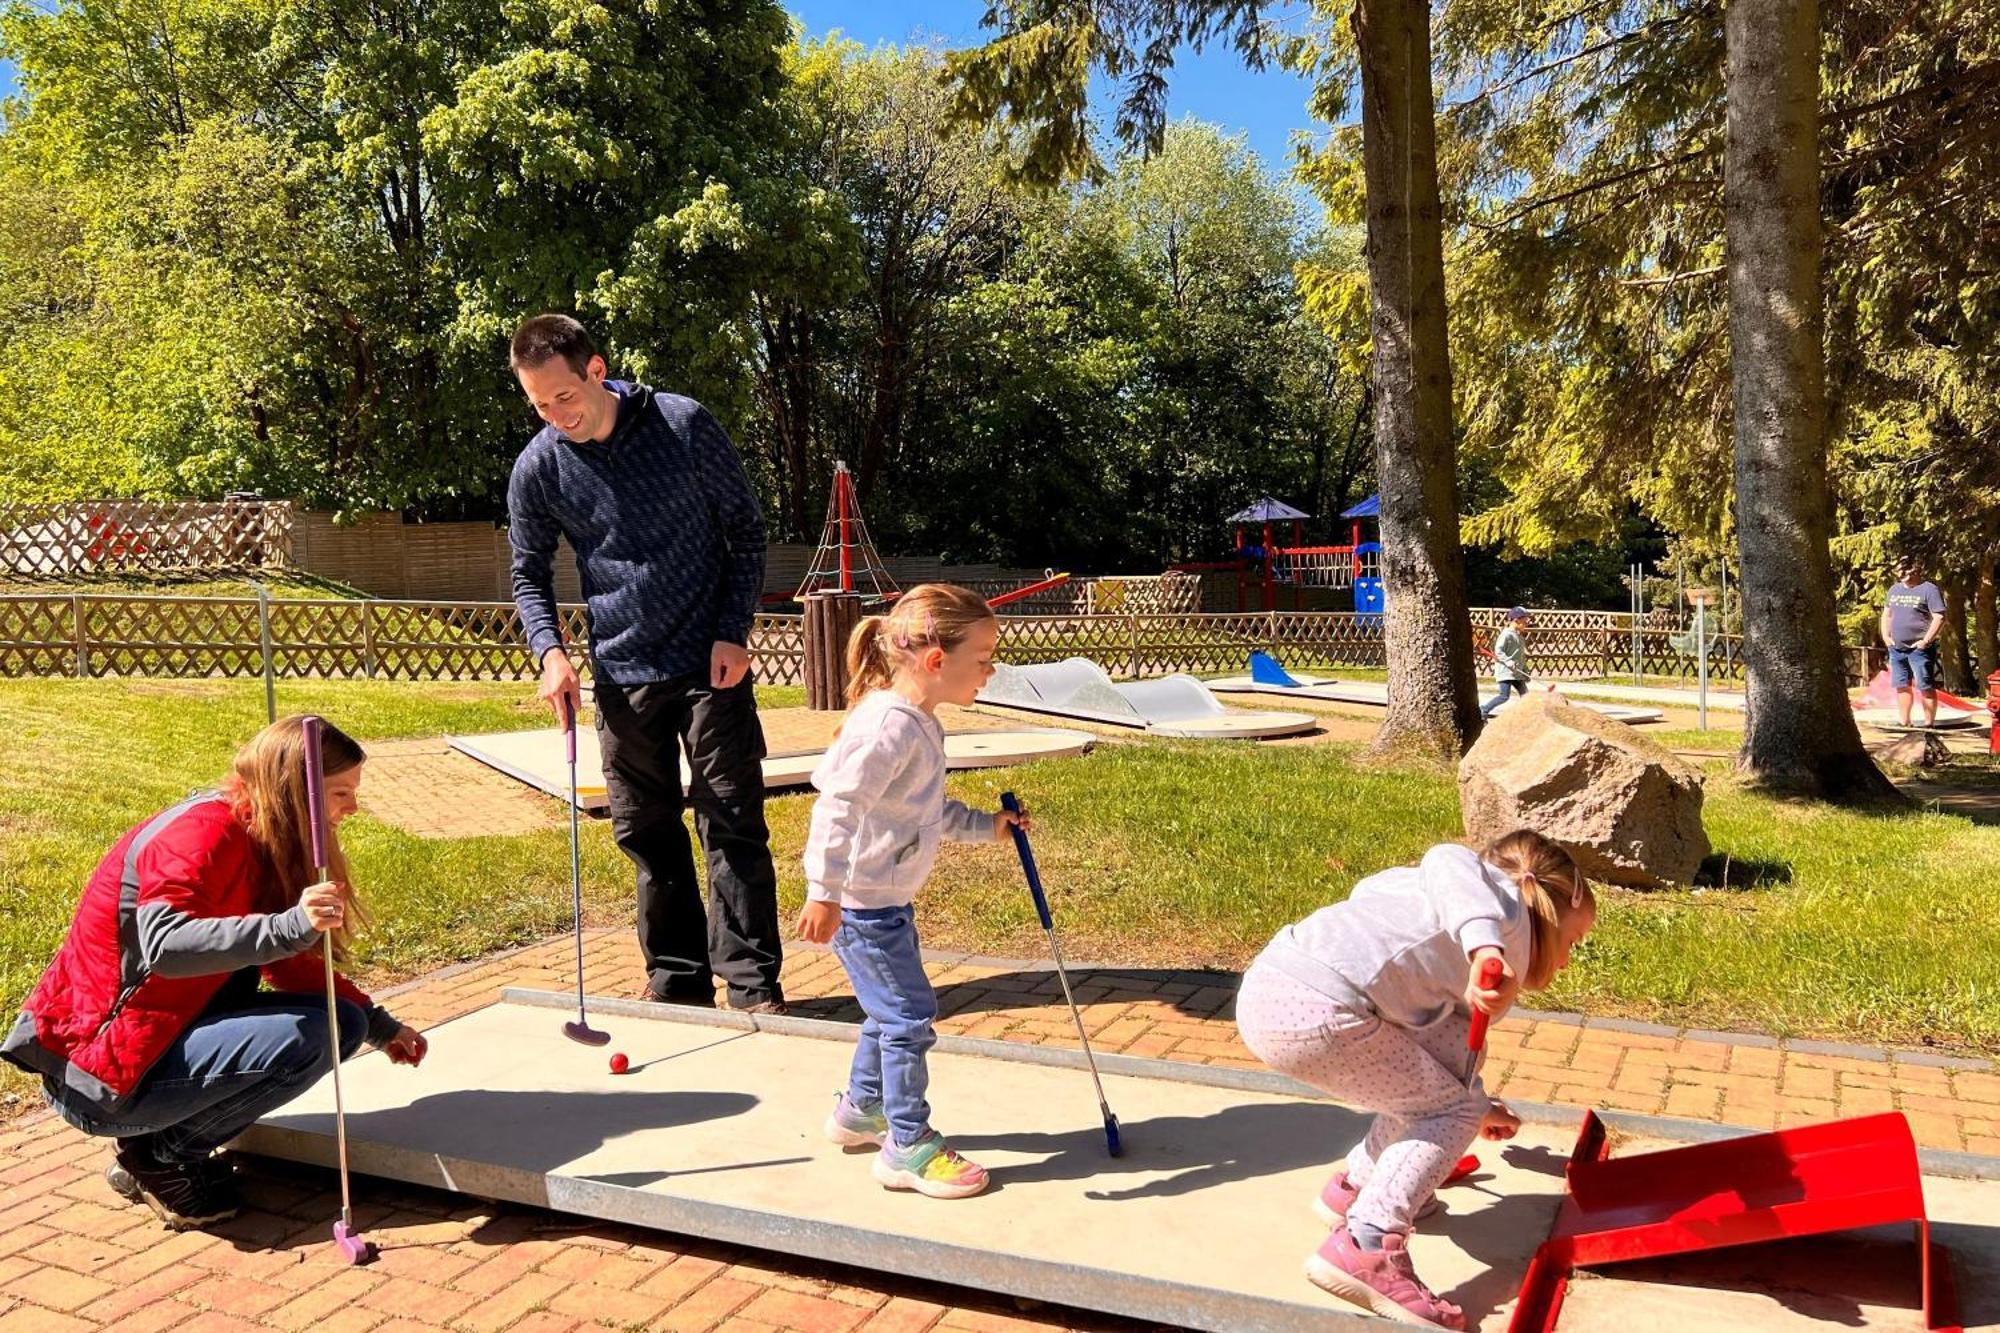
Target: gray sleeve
(174, 944)
(964, 824)
(382, 1026)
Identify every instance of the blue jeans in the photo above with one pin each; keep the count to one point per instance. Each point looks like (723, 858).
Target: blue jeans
(1914, 662)
(248, 1053)
(1519, 687)
(878, 947)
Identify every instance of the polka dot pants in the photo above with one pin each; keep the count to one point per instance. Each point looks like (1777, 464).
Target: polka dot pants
(1412, 1078)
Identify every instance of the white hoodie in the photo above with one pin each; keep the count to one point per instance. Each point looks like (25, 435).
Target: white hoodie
(882, 810)
(1400, 945)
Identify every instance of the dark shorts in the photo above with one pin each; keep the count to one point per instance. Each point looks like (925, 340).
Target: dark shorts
(1920, 663)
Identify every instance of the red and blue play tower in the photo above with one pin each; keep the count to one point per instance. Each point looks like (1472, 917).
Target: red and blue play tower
(1268, 566)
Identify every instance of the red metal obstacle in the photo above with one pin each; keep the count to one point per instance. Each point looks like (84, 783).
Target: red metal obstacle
(1881, 694)
(846, 558)
(1837, 1176)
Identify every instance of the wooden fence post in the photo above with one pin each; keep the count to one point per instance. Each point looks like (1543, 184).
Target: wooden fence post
(368, 640)
(1132, 626)
(264, 647)
(830, 621)
(82, 637)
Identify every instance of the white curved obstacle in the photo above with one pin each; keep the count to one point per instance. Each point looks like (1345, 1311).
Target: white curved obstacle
(1177, 705)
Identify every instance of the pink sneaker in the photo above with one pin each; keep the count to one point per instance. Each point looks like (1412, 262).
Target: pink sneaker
(1382, 1282)
(1335, 1198)
(1340, 1193)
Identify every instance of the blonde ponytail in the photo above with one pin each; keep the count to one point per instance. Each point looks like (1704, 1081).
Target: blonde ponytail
(930, 615)
(867, 669)
(1552, 887)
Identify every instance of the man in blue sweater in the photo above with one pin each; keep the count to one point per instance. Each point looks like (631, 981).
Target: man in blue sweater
(670, 546)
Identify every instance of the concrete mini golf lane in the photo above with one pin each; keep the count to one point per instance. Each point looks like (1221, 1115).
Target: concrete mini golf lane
(716, 1132)
(1205, 1222)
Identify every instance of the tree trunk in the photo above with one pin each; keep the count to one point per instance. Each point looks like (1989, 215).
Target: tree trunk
(1986, 626)
(1799, 732)
(788, 382)
(1433, 708)
(1953, 641)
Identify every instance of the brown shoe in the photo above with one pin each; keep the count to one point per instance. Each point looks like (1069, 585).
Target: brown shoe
(771, 1008)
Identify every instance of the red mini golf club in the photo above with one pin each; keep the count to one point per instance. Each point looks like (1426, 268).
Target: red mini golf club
(581, 1030)
(353, 1247)
(1475, 1041)
(1475, 1036)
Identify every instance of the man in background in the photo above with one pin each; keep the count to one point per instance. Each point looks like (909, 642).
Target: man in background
(1912, 617)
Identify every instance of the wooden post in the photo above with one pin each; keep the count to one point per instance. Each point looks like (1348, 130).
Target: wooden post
(82, 641)
(264, 649)
(1132, 623)
(368, 640)
(830, 621)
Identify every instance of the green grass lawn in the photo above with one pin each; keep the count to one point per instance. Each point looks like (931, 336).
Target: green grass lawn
(1883, 929)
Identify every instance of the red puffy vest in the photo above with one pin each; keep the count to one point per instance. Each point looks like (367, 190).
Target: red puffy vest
(96, 1005)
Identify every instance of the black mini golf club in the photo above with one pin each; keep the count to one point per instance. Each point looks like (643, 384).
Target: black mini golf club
(581, 1030)
(1012, 806)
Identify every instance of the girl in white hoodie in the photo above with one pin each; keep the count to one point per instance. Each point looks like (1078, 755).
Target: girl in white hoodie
(1370, 1000)
(875, 831)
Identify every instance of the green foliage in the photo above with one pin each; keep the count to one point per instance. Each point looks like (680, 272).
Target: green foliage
(1033, 76)
(1581, 153)
(1089, 378)
(1141, 366)
(294, 237)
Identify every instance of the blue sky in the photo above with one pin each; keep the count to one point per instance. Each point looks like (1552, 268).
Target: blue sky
(1213, 86)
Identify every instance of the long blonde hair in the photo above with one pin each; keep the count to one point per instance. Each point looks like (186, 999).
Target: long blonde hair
(266, 791)
(1552, 887)
(930, 615)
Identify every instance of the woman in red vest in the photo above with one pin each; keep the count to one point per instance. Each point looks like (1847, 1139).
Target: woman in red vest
(150, 1026)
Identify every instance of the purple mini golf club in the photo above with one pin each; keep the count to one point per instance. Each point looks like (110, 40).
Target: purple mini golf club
(353, 1248)
(581, 1030)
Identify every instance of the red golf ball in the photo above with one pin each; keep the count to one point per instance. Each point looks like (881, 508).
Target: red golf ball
(619, 1064)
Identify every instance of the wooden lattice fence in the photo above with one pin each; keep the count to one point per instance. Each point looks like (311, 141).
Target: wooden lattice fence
(143, 537)
(85, 635)
(90, 635)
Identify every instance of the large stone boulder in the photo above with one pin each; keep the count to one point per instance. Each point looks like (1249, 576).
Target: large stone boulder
(1627, 808)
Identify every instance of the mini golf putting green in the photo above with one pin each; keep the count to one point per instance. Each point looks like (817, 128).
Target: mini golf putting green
(536, 757)
(715, 1132)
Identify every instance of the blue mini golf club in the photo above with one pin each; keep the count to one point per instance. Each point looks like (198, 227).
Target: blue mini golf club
(1007, 801)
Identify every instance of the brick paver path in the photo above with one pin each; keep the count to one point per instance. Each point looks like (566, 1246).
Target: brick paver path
(427, 788)
(74, 1258)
